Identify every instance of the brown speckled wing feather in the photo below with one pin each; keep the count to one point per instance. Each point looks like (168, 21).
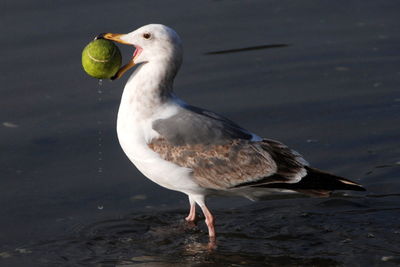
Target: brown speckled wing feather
(234, 164)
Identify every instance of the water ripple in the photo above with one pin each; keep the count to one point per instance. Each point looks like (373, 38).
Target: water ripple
(326, 232)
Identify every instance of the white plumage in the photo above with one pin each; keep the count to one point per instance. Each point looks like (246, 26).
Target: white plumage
(195, 151)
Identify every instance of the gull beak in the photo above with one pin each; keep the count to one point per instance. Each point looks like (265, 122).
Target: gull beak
(123, 69)
(117, 37)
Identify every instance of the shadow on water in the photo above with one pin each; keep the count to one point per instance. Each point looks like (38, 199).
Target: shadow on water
(250, 48)
(323, 232)
(397, 164)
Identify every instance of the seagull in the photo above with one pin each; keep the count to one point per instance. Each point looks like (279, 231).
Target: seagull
(196, 151)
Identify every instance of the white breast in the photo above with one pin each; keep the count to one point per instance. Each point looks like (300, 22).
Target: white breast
(134, 133)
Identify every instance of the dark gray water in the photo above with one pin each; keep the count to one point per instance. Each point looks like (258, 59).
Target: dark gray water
(70, 197)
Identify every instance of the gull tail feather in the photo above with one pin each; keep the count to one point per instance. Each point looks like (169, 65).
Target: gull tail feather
(318, 183)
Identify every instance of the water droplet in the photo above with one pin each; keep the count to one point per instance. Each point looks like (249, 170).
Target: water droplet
(23, 250)
(99, 134)
(139, 197)
(377, 84)
(5, 255)
(341, 68)
(100, 207)
(10, 124)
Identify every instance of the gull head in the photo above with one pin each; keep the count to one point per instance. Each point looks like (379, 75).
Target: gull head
(154, 43)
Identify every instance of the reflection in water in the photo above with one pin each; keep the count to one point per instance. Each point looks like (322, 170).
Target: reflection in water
(326, 232)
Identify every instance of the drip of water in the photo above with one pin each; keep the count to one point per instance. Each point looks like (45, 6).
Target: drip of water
(99, 132)
(99, 138)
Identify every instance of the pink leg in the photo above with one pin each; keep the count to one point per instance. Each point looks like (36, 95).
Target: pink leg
(192, 214)
(209, 222)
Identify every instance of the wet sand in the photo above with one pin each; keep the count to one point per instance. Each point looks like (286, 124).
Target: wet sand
(332, 94)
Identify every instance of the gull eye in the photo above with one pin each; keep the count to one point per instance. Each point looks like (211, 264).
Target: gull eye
(146, 35)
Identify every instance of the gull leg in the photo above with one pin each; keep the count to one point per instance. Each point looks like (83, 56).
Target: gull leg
(209, 221)
(200, 200)
(192, 214)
